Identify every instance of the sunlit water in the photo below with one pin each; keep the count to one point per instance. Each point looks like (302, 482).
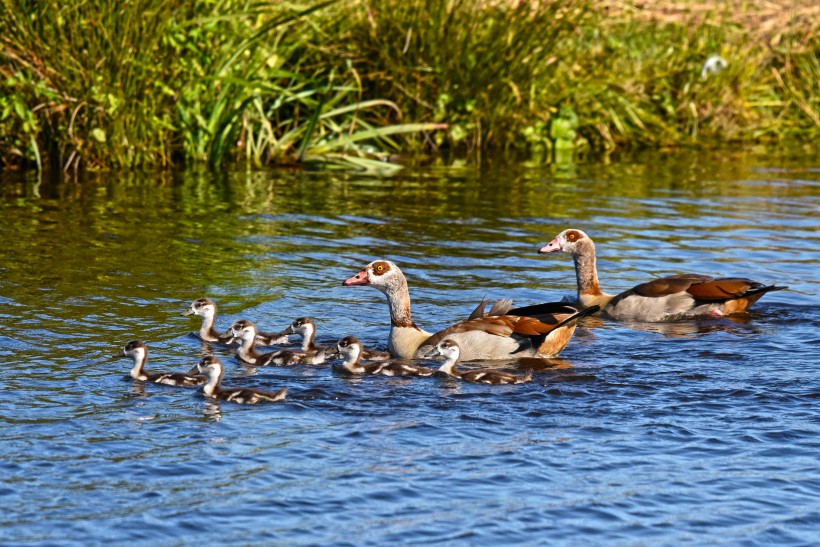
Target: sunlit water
(697, 432)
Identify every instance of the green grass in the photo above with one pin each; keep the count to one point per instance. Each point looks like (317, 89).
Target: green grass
(100, 84)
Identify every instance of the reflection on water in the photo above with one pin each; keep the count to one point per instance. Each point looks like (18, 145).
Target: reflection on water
(637, 433)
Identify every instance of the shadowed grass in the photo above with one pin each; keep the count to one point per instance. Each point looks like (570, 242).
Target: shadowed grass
(102, 84)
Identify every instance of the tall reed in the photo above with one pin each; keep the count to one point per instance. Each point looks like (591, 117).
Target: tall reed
(103, 83)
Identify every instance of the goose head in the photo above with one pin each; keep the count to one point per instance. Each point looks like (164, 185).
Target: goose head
(350, 348)
(134, 349)
(304, 326)
(244, 330)
(381, 274)
(208, 366)
(201, 306)
(569, 241)
(447, 348)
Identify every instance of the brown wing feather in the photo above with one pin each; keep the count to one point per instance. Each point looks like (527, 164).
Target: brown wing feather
(497, 325)
(721, 289)
(672, 284)
(504, 325)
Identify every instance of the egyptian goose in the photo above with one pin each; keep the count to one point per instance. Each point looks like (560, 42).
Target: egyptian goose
(351, 351)
(450, 350)
(206, 308)
(673, 297)
(491, 337)
(310, 353)
(212, 368)
(138, 352)
(305, 326)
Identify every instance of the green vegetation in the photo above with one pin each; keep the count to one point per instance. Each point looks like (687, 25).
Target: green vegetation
(101, 84)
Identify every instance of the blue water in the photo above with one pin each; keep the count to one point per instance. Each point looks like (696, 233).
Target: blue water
(703, 432)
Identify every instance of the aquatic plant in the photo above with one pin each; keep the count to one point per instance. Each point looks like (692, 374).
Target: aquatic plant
(102, 84)
(632, 76)
(110, 84)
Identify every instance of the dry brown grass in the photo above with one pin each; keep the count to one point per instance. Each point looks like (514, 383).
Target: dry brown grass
(762, 19)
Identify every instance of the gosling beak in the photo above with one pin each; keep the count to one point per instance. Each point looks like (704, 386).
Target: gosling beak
(431, 353)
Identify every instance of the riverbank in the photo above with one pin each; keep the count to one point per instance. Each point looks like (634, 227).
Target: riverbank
(149, 84)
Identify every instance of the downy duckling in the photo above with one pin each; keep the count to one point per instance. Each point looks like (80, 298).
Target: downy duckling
(351, 351)
(212, 368)
(451, 352)
(206, 308)
(306, 326)
(309, 353)
(137, 351)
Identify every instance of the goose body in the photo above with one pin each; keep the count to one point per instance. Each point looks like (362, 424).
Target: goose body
(309, 353)
(350, 349)
(212, 369)
(663, 299)
(513, 335)
(206, 308)
(450, 350)
(138, 352)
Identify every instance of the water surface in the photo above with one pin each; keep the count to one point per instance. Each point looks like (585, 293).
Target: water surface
(700, 432)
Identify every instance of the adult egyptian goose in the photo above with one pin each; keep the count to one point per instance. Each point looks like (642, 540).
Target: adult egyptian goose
(544, 334)
(138, 352)
(351, 351)
(211, 367)
(667, 298)
(449, 349)
(310, 353)
(206, 308)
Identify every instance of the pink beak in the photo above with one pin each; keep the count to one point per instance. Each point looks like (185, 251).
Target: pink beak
(550, 247)
(358, 279)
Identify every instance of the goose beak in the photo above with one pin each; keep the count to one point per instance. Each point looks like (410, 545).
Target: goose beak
(187, 311)
(551, 247)
(194, 371)
(358, 279)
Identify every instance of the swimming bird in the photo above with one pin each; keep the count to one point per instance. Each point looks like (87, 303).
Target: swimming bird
(450, 350)
(212, 368)
(309, 353)
(306, 328)
(537, 331)
(672, 297)
(138, 352)
(206, 308)
(350, 349)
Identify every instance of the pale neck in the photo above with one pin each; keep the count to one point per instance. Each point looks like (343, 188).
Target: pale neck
(351, 361)
(246, 350)
(586, 271)
(207, 328)
(212, 385)
(449, 365)
(308, 337)
(138, 370)
(398, 298)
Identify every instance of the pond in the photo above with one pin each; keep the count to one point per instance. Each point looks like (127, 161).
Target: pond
(701, 431)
